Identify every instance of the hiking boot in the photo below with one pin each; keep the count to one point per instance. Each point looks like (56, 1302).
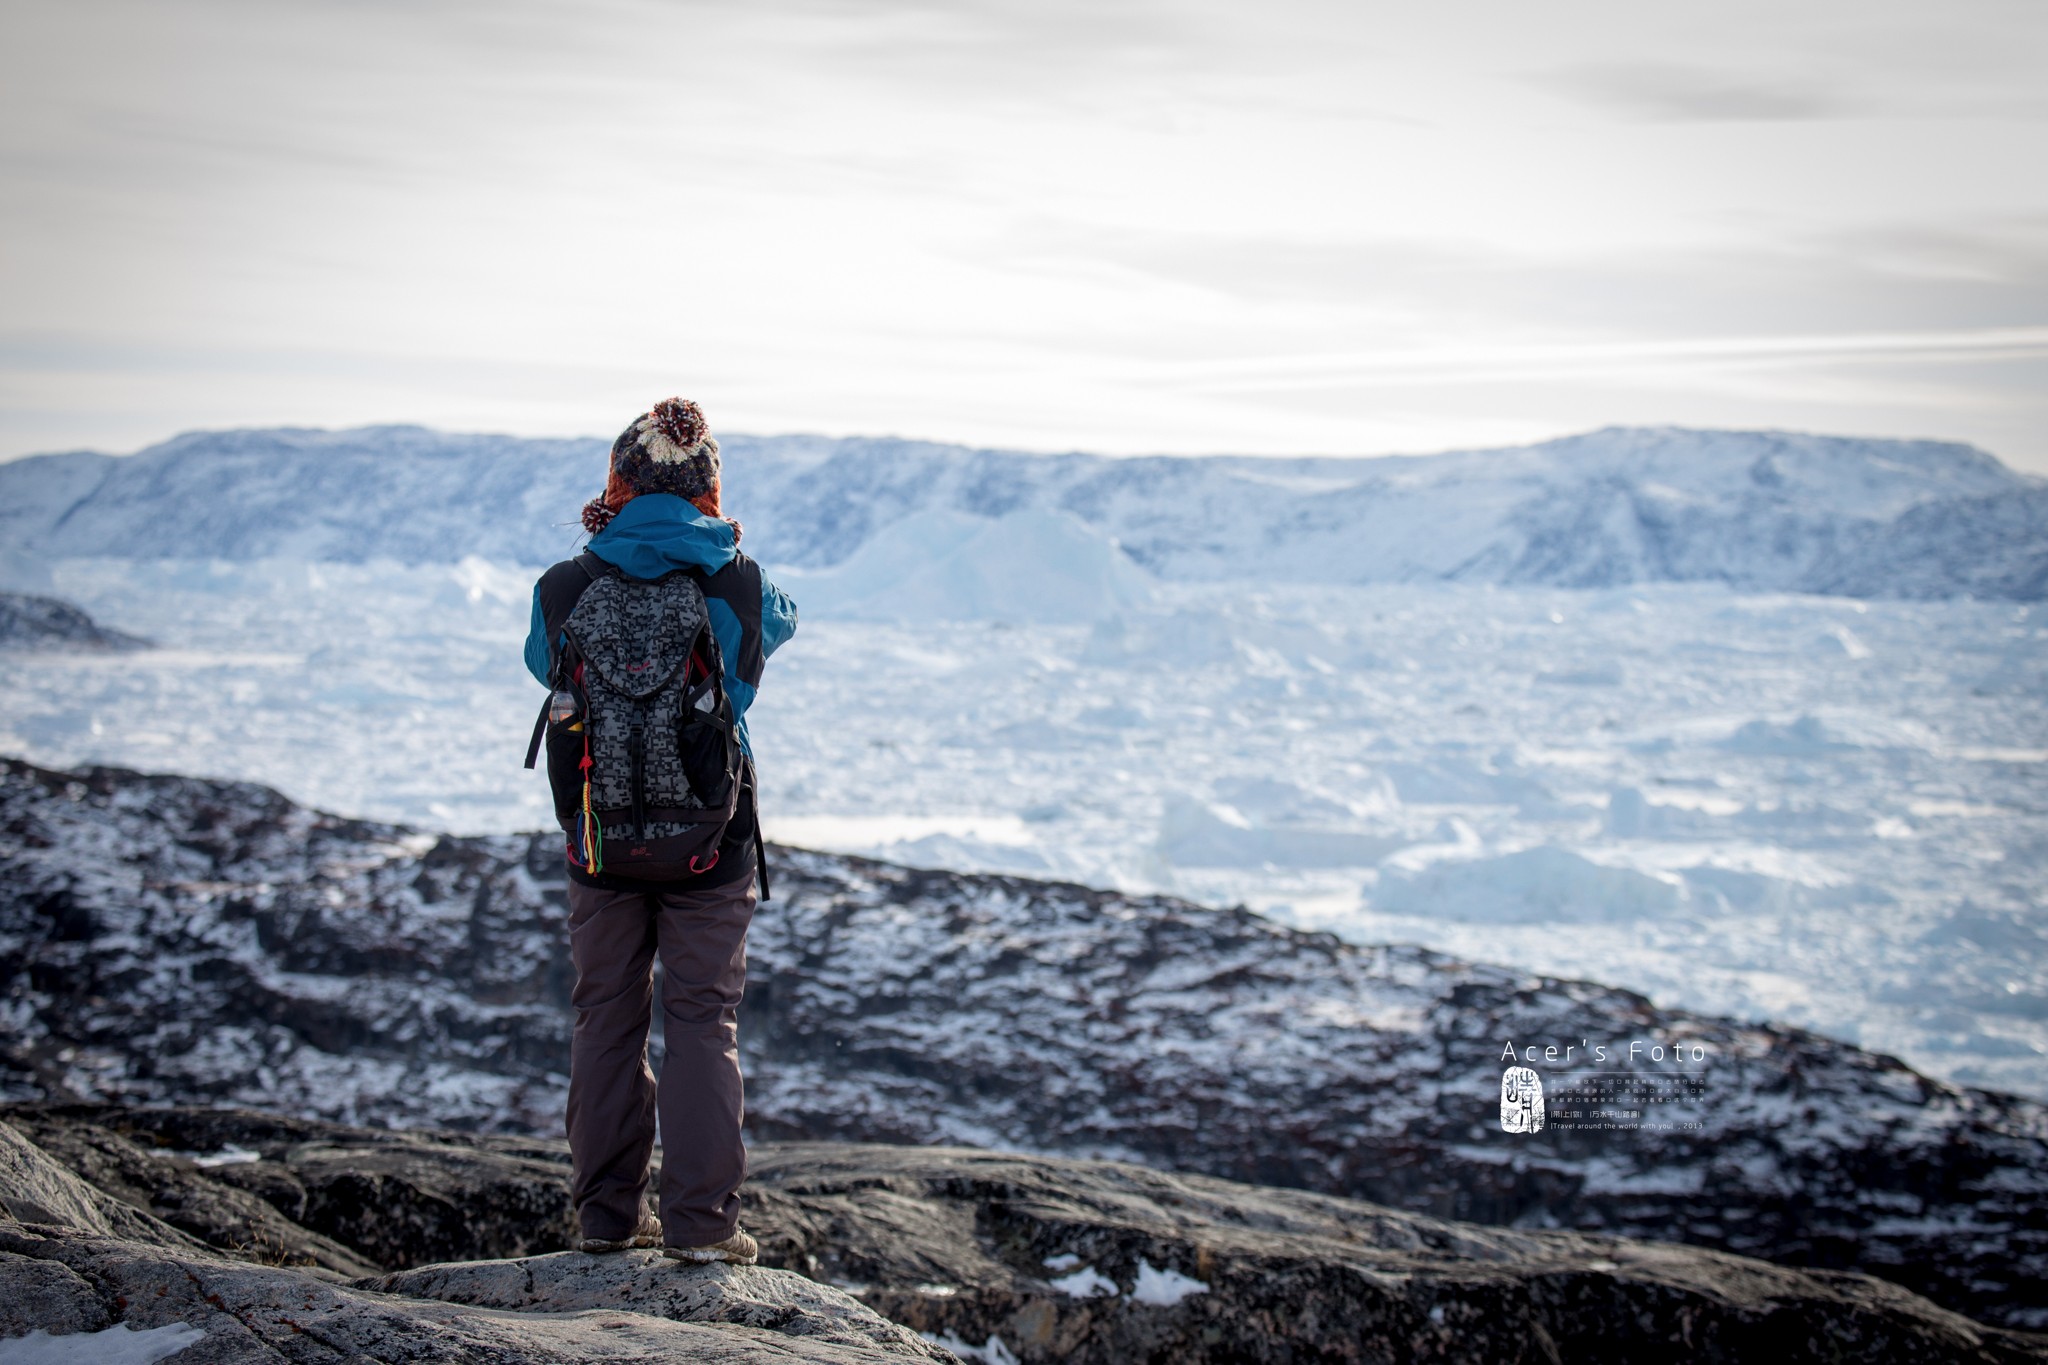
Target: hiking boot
(739, 1248)
(648, 1234)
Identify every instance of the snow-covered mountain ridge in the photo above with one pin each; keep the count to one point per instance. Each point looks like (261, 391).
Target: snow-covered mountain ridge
(1758, 510)
(174, 939)
(28, 621)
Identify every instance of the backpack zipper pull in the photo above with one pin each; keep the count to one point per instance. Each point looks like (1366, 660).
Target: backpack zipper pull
(636, 748)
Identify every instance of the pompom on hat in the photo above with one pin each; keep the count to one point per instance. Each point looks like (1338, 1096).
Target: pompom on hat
(667, 449)
(674, 432)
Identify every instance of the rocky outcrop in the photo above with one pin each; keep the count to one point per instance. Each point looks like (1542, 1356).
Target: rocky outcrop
(34, 1188)
(77, 1260)
(643, 1282)
(1050, 1260)
(28, 621)
(62, 1284)
(905, 1005)
(173, 940)
(304, 1193)
(1002, 1257)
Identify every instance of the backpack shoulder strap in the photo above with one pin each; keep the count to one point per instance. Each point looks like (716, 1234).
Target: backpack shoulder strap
(560, 588)
(738, 585)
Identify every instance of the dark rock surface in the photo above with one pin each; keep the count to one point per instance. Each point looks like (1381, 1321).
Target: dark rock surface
(646, 1282)
(77, 1259)
(1092, 1262)
(28, 621)
(229, 1311)
(167, 939)
(1004, 1257)
(300, 1192)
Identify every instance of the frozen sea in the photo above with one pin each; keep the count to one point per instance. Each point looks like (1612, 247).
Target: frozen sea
(1820, 811)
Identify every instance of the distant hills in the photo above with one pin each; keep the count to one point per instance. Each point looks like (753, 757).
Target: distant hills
(1759, 511)
(31, 622)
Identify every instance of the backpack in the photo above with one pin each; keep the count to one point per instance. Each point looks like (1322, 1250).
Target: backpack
(642, 747)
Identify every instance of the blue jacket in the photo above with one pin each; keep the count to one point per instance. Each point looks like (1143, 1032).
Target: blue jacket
(658, 532)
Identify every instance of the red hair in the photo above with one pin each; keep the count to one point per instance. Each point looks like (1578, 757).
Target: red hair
(598, 512)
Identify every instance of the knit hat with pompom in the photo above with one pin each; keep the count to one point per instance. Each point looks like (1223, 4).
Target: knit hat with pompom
(668, 449)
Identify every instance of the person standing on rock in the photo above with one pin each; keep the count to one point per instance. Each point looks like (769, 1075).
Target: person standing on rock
(651, 643)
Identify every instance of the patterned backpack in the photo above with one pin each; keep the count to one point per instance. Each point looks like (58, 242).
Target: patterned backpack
(643, 754)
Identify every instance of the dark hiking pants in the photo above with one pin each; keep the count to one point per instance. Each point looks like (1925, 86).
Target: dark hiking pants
(702, 939)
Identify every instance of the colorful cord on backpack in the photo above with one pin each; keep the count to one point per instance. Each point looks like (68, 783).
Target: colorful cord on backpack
(590, 833)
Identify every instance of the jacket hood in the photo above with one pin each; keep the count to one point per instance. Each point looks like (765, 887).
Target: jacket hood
(658, 532)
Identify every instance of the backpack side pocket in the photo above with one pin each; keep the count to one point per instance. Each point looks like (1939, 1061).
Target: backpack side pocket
(565, 741)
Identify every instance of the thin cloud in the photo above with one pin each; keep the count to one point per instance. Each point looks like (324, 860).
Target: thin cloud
(1008, 222)
(1880, 279)
(1657, 93)
(1470, 364)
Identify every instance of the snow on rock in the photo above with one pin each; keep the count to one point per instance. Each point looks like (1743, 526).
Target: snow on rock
(1757, 509)
(1163, 1288)
(116, 1345)
(229, 1155)
(170, 939)
(991, 1351)
(1085, 1283)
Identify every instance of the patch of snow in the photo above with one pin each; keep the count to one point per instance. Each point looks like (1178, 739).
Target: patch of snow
(116, 1345)
(990, 1352)
(1086, 1283)
(1163, 1288)
(229, 1155)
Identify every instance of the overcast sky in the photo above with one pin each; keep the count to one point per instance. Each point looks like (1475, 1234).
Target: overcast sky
(1260, 227)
